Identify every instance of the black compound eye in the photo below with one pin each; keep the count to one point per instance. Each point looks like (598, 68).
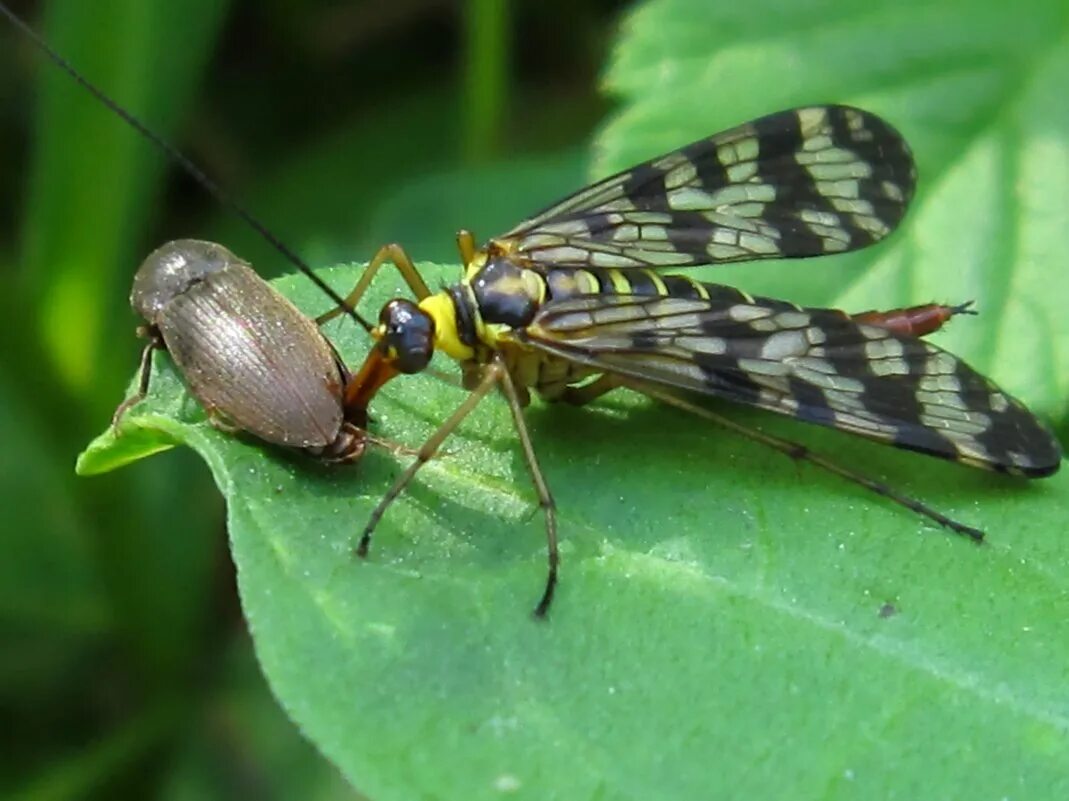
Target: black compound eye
(408, 335)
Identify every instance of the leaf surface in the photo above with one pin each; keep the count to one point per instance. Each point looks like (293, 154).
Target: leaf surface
(729, 623)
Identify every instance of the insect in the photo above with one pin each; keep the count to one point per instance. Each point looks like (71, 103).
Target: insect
(249, 356)
(252, 359)
(575, 302)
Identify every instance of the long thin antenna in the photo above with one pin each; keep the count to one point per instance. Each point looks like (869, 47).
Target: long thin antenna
(184, 162)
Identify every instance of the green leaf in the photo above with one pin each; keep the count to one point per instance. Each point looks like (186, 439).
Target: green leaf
(977, 88)
(241, 745)
(138, 441)
(143, 434)
(729, 624)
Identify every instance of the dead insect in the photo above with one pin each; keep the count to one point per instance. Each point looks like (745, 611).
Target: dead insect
(252, 359)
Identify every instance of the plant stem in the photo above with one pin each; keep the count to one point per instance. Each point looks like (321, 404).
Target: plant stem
(488, 45)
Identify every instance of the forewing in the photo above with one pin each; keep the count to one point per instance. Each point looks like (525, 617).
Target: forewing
(813, 364)
(248, 354)
(802, 182)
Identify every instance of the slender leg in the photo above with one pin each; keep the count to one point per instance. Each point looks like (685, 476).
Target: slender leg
(798, 451)
(466, 246)
(392, 253)
(351, 443)
(581, 396)
(220, 423)
(396, 448)
(347, 448)
(443, 376)
(491, 377)
(142, 387)
(545, 498)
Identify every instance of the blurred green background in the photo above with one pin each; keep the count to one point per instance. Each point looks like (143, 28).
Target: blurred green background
(127, 671)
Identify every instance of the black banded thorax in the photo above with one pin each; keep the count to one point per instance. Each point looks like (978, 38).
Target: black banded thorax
(499, 295)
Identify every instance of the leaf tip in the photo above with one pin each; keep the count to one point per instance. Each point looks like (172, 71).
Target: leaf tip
(135, 440)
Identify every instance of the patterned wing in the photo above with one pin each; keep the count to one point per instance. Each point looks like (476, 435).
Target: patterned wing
(803, 182)
(813, 364)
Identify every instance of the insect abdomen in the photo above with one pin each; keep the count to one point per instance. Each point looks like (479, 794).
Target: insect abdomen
(917, 320)
(566, 283)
